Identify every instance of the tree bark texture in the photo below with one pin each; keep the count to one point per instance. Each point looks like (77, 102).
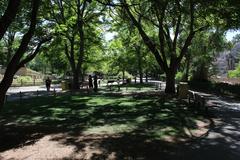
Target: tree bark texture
(16, 62)
(170, 82)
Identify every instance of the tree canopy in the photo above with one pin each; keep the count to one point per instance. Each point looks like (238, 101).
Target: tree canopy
(151, 37)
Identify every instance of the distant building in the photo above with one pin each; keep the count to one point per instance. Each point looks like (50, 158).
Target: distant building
(231, 60)
(227, 60)
(23, 71)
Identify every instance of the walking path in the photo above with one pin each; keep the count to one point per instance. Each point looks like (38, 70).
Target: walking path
(223, 139)
(15, 93)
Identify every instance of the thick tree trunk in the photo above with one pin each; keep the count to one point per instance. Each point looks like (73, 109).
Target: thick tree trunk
(141, 77)
(75, 83)
(4, 85)
(80, 17)
(146, 76)
(82, 74)
(2, 99)
(16, 62)
(139, 60)
(170, 82)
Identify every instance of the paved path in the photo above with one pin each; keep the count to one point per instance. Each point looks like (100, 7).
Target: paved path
(12, 90)
(13, 93)
(223, 140)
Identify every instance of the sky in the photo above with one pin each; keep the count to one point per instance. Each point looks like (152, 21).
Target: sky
(229, 35)
(109, 35)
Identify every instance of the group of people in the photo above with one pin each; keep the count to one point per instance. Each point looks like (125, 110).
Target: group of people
(93, 83)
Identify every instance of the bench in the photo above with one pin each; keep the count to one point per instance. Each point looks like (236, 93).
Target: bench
(198, 99)
(112, 84)
(110, 81)
(84, 84)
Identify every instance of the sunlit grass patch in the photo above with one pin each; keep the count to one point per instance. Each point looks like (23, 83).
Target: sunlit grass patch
(154, 117)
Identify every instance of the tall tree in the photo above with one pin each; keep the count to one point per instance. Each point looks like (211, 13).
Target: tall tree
(170, 18)
(19, 59)
(73, 19)
(174, 23)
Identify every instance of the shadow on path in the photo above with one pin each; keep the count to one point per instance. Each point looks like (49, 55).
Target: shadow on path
(223, 139)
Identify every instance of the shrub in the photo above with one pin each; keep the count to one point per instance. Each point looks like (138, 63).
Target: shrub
(127, 75)
(219, 88)
(179, 76)
(235, 73)
(24, 79)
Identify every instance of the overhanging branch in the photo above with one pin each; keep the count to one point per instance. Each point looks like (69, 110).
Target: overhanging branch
(34, 53)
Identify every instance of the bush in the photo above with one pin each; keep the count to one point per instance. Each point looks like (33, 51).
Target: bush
(24, 79)
(235, 73)
(127, 75)
(219, 88)
(179, 76)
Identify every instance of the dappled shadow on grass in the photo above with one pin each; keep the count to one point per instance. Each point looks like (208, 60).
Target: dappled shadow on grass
(125, 126)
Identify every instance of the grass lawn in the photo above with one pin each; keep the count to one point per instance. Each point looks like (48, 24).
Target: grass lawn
(128, 126)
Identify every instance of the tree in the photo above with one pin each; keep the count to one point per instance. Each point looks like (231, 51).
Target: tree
(73, 19)
(175, 24)
(19, 59)
(205, 48)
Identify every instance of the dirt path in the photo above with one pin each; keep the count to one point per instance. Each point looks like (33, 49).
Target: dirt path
(223, 140)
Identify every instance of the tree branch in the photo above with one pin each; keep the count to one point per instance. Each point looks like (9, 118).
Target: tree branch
(179, 19)
(34, 53)
(8, 16)
(66, 52)
(161, 35)
(152, 47)
(26, 38)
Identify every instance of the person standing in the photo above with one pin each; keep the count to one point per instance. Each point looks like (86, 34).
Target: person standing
(90, 83)
(95, 83)
(48, 84)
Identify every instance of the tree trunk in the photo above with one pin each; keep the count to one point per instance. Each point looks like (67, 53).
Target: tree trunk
(170, 82)
(4, 85)
(82, 74)
(80, 17)
(186, 75)
(15, 63)
(75, 83)
(123, 75)
(141, 77)
(139, 60)
(146, 76)
(2, 99)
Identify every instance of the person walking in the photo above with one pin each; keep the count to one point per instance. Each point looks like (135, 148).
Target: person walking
(90, 83)
(95, 81)
(48, 83)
